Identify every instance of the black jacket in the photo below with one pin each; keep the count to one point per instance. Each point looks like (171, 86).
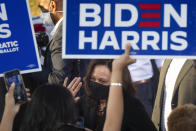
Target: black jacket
(135, 117)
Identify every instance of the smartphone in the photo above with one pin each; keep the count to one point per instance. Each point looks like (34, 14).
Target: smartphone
(19, 92)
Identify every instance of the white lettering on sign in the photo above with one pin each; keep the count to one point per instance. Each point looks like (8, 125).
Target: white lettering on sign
(8, 47)
(150, 42)
(4, 28)
(107, 16)
(92, 40)
(149, 39)
(182, 43)
(109, 39)
(92, 15)
(3, 14)
(118, 15)
(134, 41)
(4, 31)
(169, 12)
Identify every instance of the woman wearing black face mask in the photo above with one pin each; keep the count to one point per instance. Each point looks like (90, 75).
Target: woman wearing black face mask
(92, 106)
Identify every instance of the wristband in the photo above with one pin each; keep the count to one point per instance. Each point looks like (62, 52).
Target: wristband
(116, 84)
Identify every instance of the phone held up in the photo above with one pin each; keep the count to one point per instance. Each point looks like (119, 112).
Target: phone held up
(14, 76)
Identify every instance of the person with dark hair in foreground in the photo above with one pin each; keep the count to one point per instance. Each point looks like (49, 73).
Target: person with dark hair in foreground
(51, 109)
(182, 118)
(51, 106)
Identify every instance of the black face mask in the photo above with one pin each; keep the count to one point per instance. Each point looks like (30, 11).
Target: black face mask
(98, 91)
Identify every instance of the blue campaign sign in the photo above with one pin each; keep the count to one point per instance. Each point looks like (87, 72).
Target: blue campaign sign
(155, 28)
(18, 49)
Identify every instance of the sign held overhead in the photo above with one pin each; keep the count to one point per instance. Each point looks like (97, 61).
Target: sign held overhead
(156, 29)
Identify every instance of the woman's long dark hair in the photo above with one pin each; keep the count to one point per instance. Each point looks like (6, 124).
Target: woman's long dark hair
(51, 105)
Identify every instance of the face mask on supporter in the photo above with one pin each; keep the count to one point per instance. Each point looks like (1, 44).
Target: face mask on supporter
(47, 21)
(98, 91)
(46, 18)
(49, 30)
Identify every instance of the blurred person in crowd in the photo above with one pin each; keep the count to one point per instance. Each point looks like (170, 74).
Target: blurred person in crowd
(44, 111)
(29, 83)
(177, 86)
(145, 76)
(182, 118)
(52, 108)
(92, 106)
(54, 68)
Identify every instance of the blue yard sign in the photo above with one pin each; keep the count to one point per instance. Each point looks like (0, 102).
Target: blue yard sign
(155, 28)
(18, 49)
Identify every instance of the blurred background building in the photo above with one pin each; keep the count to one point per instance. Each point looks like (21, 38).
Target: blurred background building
(35, 11)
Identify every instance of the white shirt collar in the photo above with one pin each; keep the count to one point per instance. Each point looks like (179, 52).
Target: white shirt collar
(56, 26)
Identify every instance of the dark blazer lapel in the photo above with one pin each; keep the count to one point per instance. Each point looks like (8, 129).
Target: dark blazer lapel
(187, 65)
(162, 80)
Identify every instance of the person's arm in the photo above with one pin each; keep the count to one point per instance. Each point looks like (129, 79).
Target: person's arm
(11, 109)
(114, 112)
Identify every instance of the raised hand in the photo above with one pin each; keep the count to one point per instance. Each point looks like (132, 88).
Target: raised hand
(74, 86)
(124, 59)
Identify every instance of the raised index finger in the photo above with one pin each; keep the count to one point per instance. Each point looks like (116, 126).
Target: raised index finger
(127, 49)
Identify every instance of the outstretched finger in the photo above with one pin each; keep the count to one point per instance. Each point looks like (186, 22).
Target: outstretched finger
(127, 49)
(65, 82)
(127, 52)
